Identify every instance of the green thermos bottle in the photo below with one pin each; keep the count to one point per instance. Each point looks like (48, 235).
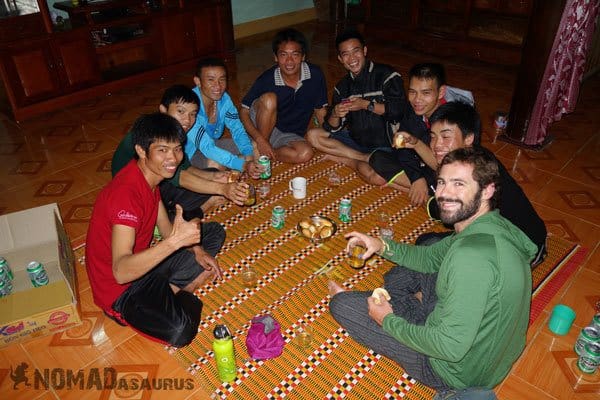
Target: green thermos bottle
(224, 353)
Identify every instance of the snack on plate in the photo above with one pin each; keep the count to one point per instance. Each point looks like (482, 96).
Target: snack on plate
(325, 231)
(305, 223)
(316, 228)
(380, 292)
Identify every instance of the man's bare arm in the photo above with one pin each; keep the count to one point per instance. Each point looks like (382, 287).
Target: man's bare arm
(320, 113)
(128, 266)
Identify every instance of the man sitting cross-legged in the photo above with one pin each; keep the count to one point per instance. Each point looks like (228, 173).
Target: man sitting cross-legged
(364, 106)
(277, 109)
(459, 309)
(206, 146)
(150, 288)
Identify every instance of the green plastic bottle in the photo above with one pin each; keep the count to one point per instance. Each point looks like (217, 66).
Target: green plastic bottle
(224, 354)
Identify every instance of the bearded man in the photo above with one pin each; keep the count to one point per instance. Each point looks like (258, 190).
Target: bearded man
(458, 309)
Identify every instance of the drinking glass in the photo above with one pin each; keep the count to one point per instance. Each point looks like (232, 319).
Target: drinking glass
(249, 277)
(304, 335)
(355, 254)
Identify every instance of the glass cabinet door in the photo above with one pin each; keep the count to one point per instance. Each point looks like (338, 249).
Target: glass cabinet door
(15, 8)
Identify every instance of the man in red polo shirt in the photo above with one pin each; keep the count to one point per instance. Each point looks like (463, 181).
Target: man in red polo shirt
(150, 288)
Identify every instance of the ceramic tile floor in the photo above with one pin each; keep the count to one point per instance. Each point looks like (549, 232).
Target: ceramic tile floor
(64, 157)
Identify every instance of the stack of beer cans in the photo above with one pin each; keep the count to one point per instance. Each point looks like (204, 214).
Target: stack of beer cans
(587, 346)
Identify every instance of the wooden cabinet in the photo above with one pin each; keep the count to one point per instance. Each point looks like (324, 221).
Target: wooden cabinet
(45, 68)
(29, 72)
(202, 31)
(75, 59)
(113, 44)
(176, 37)
(210, 23)
(489, 30)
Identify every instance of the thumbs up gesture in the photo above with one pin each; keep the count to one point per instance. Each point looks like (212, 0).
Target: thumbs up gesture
(184, 233)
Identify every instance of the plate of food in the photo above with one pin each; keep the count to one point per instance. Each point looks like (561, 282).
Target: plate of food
(317, 228)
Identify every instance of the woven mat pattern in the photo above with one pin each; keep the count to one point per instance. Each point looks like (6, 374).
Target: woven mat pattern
(334, 366)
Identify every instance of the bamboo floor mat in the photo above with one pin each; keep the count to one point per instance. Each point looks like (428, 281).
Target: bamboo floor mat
(334, 366)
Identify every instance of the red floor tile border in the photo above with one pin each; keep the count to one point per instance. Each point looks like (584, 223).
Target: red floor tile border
(546, 291)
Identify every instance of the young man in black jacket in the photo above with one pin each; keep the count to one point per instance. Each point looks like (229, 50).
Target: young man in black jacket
(365, 104)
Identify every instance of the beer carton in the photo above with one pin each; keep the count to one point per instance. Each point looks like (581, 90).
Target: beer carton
(37, 234)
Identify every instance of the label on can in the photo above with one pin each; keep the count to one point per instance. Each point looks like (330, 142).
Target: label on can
(589, 359)
(345, 210)
(37, 274)
(6, 268)
(278, 217)
(596, 322)
(5, 288)
(589, 334)
(266, 163)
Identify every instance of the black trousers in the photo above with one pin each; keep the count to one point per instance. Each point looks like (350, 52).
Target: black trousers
(149, 304)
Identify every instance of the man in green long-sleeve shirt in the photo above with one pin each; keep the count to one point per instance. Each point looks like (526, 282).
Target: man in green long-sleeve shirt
(459, 309)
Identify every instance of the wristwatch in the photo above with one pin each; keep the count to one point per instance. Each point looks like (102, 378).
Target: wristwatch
(371, 106)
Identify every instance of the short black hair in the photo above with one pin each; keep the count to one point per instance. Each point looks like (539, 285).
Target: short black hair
(149, 128)
(485, 168)
(461, 114)
(177, 94)
(428, 71)
(289, 35)
(347, 35)
(210, 62)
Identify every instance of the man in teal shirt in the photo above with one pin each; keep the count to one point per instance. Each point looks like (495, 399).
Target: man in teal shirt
(459, 309)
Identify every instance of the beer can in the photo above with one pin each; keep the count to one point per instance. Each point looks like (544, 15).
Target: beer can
(6, 268)
(596, 322)
(345, 210)
(589, 334)
(266, 163)
(37, 274)
(589, 359)
(5, 288)
(278, 217)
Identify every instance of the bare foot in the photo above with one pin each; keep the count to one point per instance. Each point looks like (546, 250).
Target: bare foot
(419, 296)
(334, 288)
(213, 201)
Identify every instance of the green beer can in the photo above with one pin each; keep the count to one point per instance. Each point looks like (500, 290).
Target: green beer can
(37, 274)
(266, 163)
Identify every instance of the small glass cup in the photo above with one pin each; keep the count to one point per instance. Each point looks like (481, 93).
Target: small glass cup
(264, 189)
(385, 226)
(334, 179)
(304, 335)
(250, 195)
(355, 255)
(249, 277)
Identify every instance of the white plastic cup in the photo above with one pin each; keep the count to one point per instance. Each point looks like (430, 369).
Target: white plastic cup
(298, 187)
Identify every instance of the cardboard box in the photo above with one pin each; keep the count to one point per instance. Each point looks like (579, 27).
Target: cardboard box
(37, 234)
